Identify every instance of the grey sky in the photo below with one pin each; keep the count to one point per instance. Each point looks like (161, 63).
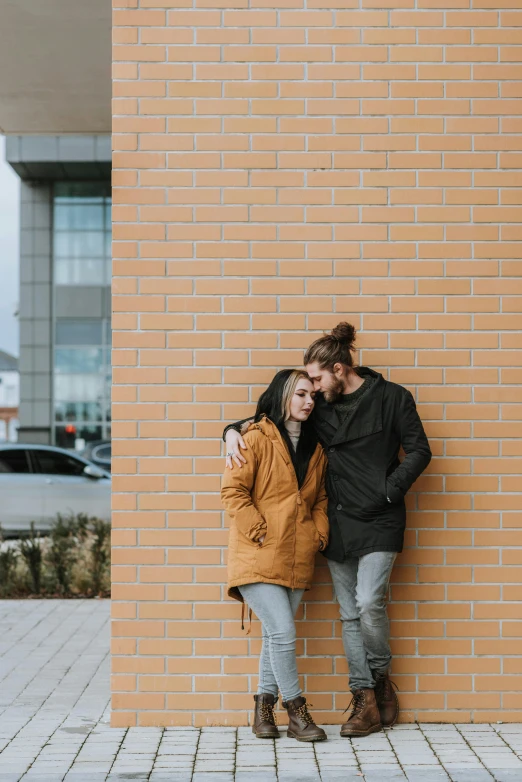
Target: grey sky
(9, 230)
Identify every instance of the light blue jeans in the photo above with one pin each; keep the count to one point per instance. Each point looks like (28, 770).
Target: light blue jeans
(275, 606)
(361, 587)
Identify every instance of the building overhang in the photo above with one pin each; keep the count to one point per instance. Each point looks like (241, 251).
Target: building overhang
(55, 66)
(60, 157)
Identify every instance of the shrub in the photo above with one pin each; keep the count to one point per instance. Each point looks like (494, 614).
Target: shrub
(31, 551)
(62, 554)
(100, 553)
(73, 561)
(8, 563)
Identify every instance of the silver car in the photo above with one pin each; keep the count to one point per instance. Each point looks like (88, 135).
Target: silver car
(39, 481)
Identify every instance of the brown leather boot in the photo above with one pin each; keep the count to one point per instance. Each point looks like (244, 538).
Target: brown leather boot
(264, 718)
(364, 718)
(301, 725)
(386, 697)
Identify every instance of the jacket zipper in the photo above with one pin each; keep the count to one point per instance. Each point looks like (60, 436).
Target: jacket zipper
(299, 501)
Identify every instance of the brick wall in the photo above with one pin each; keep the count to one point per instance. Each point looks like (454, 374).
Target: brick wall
(278, 168)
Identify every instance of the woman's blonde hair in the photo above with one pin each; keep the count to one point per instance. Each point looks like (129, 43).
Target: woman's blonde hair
(289, 388)
(274, 404)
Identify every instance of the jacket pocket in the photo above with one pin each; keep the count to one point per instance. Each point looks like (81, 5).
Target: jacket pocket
(265, 554)
(266, 539)
(368, 494)
(311, 532)
(384, 485)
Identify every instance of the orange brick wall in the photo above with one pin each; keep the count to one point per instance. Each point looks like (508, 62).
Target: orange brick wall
(278, 168)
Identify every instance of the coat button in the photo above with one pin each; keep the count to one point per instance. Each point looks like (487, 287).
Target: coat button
(339, 507)
(332, 450)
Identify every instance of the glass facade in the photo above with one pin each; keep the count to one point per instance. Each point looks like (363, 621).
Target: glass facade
(82, 233)
(81, 346)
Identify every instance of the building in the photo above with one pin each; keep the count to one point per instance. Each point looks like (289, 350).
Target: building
(55, 112)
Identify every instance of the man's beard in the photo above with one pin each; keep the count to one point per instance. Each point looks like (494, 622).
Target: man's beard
(334, 391)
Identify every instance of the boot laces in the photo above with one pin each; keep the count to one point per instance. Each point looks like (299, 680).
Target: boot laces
(383, 684)
(356, 704)
(303, 714)
(267, 714)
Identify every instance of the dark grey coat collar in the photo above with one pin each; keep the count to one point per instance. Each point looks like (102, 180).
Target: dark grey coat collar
(366, 419)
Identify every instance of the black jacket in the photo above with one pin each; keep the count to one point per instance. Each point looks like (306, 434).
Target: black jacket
(364, 469)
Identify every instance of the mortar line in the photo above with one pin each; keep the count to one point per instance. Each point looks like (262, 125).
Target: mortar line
(195, 756)
(59, 727)
(102, 661)
(117, 753)
(45, 618)
(156, 753)
(471, 748)
(65, 672)
(467, 743)
(387, 734)
(361, 772)
(427, 740)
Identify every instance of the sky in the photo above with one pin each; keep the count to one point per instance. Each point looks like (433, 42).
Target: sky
(9, 241)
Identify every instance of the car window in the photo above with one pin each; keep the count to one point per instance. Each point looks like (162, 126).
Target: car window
(14, 461)
(102, 452)
(52, 463)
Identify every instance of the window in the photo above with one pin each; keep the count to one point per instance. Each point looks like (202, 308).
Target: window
(82, 233)
(82, 381)
(52, 463)
(78, 360)
(14, 461)
(78, 332)
(81, 252)
(102, 453)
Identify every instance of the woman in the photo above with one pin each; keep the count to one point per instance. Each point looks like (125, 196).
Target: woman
(277, 503)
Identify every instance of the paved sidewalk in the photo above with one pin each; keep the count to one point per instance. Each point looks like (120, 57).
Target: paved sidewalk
(54, 724)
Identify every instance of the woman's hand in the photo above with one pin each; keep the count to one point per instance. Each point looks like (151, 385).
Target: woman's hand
(234, 442)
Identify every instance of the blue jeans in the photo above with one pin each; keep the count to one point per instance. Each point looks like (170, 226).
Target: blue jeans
(361, 586)
(276, 607)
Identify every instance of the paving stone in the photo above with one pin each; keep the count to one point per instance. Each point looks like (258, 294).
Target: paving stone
(85, 776)
(338, 775)
(506, 775)
(128, 777)
(213, 777)
(168, 777)
(426, 775)
(390, 775)
(297, 776)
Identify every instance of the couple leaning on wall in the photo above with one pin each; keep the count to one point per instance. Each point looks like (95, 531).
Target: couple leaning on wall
(317, 469)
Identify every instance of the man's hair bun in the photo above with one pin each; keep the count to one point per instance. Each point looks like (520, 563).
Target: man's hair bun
(344, 333)
(334, 348)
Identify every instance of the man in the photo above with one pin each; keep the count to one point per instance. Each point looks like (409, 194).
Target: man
(362, 421)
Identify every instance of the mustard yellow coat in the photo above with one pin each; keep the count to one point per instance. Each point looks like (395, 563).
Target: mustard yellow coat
(263, 498)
